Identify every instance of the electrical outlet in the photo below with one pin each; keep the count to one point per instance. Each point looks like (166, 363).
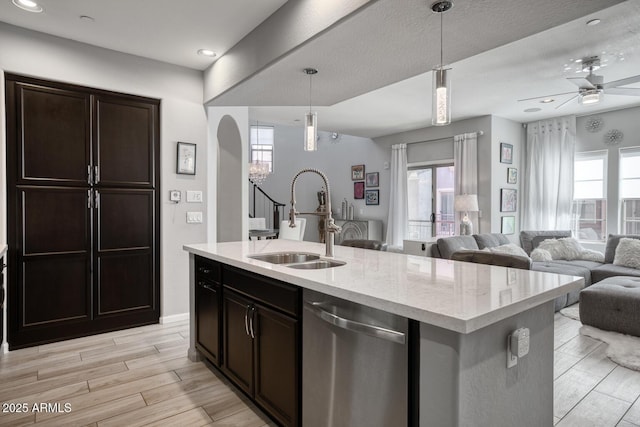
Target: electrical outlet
(194, 196)
(194, 217)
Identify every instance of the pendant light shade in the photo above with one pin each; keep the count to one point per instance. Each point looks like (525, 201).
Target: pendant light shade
(310, 131)
(441, 99)
(310, 120)
(441, 91)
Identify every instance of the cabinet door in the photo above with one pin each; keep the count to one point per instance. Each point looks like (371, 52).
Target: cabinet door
(237, 361)
(208, 320)
(125, 135)
(52, 128)
(277, 364)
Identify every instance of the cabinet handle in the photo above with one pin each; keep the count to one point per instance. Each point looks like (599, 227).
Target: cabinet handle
(253, 310)
(97, 201)
(89, 175)
(204, 270)
(208, 287)
(96, 174)
(89, 200)
(246, 320)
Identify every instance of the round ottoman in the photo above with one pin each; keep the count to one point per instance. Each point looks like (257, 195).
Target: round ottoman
(612, 304)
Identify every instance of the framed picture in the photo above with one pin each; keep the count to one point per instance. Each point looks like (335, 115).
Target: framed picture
(372, 179)
(506, 153)
(512, 176)
(357, 173)
(358, 190)
(186, 164)
(372, 197)
(508, 200)
(508, 225)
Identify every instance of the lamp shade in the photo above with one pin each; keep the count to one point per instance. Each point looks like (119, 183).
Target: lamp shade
(466, 203)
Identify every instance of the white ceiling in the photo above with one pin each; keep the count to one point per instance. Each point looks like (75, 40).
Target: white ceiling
(374, 77)
(166, 30)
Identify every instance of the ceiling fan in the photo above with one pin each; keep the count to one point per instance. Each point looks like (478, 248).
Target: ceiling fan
(592, 87)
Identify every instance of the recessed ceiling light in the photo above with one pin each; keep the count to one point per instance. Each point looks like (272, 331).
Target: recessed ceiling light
(547, 100)
(593, 22)
(28, 5)
(206, 52)
(532, 110)
(87, 18)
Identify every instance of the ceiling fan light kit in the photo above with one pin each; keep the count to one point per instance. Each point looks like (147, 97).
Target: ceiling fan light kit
(441, 96)
(592, 87)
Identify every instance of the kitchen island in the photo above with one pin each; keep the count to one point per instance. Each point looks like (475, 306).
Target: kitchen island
(464, 315)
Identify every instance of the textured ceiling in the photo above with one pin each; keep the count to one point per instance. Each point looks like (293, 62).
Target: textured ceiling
(167, 30)
(374, 65)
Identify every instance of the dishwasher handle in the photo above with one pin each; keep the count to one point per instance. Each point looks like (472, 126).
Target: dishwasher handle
(355, 326)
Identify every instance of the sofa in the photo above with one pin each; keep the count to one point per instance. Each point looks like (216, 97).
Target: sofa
(591, 271)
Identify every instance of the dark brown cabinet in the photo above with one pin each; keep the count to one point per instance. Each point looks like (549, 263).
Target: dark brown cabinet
(83, 211)
(258, 320)
(261, 347)
(208, 300)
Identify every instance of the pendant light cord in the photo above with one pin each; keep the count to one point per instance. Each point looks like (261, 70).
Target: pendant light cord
(310, 76)
(441, 25)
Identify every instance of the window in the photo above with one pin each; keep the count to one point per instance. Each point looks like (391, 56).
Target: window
(261, 145)
(589, 196)
(630, 189)
(426, 187)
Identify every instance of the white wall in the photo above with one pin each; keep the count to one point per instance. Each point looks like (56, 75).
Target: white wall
(334, 158)
(510, 132)
(182, 119)
(625, 120)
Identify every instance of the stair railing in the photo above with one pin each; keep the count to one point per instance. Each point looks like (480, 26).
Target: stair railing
(261, 205)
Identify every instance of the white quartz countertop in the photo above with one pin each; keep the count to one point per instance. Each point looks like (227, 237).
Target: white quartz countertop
(458, 296)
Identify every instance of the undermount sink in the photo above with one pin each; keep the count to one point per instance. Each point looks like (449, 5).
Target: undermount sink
(314, 265)
(285, 257)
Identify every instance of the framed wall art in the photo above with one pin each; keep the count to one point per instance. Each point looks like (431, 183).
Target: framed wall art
(508, 200)
(358, 190)
(372, 197)
(357, 172)
(186, 158)
(512, 176)
(508, 225)
(372, 179)
(506, 153)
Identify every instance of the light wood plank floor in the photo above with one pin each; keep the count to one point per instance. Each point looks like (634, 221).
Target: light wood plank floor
(141, 377)
(137, 377)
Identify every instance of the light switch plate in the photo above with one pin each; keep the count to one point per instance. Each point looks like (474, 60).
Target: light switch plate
(175, 196)
(194, 196)
(194, 217)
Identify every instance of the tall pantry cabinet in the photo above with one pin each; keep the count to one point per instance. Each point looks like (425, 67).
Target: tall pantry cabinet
(83, 210)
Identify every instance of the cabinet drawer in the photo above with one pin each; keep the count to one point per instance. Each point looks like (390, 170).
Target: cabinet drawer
(282, 296)
(207, 269)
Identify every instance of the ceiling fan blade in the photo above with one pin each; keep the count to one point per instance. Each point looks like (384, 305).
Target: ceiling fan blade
(633, 91)
(547, 96)
(622, 82)
(567, 101)
(581, 82)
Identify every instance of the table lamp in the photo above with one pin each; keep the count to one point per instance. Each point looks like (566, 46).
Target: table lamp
(466, 203)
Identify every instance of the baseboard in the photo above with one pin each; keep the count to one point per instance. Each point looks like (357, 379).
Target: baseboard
(174, 318)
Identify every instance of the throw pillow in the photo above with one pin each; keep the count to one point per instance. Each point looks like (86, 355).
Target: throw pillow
(628, 253)
(566, 248)
(510, 249)
(539, 254)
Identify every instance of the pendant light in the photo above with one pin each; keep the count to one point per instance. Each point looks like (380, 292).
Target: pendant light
(441, 97)
(310, 120)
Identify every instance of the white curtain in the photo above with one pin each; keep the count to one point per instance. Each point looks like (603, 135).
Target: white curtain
(465, 163)
(548, 174)
(398, 198)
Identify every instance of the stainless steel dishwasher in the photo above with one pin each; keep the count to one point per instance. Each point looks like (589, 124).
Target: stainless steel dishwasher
(354, 364)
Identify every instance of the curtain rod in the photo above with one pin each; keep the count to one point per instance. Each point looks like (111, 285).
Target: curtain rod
(480, 133)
